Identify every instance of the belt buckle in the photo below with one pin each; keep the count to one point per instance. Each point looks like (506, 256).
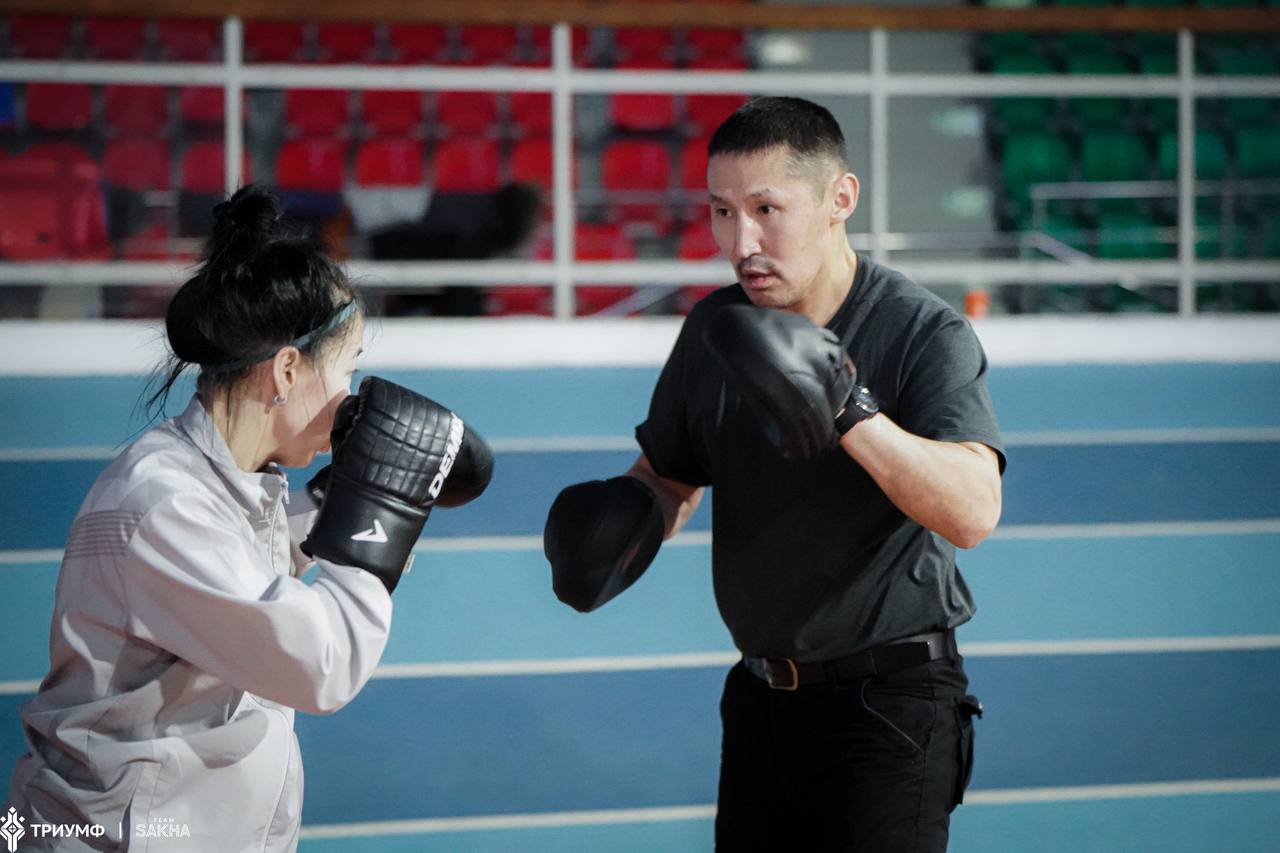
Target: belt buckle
(776, 684)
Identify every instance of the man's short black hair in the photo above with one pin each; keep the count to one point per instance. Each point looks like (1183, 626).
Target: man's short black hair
(807, 129)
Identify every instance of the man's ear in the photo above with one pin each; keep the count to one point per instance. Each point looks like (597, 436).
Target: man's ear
(845, 198)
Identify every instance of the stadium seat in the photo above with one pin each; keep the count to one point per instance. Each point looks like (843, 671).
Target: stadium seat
(1022, 113)
(693, 176)
(135, 110)
(389, 163)
(59, 107)
(345, 42)
(531, 162)
(316, 112)
(487, 45)
(310, 165)
(273, 41)
(1258, 152)
(1113, 156)
(580, 45)
(466, 165)
(642, 111)
(391, 111)
(115, 39)
(601, 243)
(53, 208)
(189, 40)
(202, 105)
(1212, 162)
(530, 113)
(202, 181)
(137, 164)
(418, 43)
(644, 44)
(1247, 112)
(465, 113)
(70, 156)
(1097, 112)
(1031, 158)
(1130, 236)
(707, 44)
(704, 113)
(697, 243)
(631, 166)
(39, 36)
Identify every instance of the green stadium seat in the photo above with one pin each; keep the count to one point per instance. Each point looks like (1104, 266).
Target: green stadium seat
(1113, 156)
(1212, 161)
(1258, 152)
(1032, 158)
(1020, 113)
(1068, 230)
(1240, 112)
(1212, 239)
(1097, 111)
(1130, 236)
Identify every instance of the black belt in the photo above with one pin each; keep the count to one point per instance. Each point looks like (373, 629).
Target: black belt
(787, 674)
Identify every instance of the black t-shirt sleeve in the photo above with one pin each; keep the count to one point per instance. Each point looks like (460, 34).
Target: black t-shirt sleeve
(944, 389)
(666, 436)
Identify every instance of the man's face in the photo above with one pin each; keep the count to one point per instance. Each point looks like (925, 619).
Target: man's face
(770, 222)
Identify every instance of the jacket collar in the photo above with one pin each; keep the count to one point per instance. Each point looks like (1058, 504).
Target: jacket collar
(257, 491)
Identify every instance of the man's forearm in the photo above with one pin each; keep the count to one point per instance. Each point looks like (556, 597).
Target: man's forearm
(952, 488)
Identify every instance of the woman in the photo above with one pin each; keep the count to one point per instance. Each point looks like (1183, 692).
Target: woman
(182, 639)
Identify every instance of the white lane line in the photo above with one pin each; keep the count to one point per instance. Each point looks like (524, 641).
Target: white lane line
(717, 659)
(603, 443)
(990, 797)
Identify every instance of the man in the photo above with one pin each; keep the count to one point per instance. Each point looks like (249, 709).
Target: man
(841, 413)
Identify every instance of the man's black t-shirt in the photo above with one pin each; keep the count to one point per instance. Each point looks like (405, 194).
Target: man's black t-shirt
(810, 559)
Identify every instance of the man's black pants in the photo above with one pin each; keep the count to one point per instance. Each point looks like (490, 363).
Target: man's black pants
(873, 765)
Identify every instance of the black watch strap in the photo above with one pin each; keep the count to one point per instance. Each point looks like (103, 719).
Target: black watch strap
(860, 406)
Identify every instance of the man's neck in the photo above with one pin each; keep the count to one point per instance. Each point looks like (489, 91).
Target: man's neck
(831, 288)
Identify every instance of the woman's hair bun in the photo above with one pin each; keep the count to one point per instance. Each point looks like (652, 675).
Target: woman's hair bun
(247, 219)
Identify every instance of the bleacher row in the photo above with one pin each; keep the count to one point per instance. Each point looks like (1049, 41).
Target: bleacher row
(1101, 140)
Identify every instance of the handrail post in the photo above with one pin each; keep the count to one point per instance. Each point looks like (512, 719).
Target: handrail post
(1186, 175)
(233, 89)
(879, 143)
(563, 214)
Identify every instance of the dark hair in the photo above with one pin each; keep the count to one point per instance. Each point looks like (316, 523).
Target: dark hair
(262, 284)
(809, 130)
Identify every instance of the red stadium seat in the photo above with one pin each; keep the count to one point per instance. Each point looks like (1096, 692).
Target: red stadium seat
(391, 112)
(632, 166)
(418, 43)
(531, 112)
(643, 44)
(51, 210)
(202, 105)
(204, 167)
(531, 162)
(601, 243)
(495, 45)
(316, 112)
(344, 42)
(693, 176)
(69, 156)
(115, 38)
(697, 243)
(641, 110)
(466, 165)
(704, 113)
(137, 164)
(466, 113)
(40, 36)
(135, 110)
(310, 165)
(389, 163)
(580, 45)
(59, 107)
(273, 41)
(518, 299)
(189, 40)
(717, 44)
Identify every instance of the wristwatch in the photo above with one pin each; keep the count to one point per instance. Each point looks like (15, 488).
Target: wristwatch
(861, 405)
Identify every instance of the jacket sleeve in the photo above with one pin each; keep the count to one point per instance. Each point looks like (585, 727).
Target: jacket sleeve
(196, 585)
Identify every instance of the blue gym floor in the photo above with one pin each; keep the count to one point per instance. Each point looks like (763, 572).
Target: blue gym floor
(1161, 528)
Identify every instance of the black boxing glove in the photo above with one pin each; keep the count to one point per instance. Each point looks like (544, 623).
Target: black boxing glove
(472, 469)
(600, 537)
(794, 373)
(393, 452)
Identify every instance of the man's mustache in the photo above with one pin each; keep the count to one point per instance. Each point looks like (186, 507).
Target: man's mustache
(755, 266)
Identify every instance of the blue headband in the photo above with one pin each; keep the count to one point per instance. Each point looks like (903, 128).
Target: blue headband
(336, 319)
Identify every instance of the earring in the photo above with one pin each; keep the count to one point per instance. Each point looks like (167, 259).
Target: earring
(279, 400)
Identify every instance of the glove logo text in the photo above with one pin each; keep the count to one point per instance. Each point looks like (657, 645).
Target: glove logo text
(451, 449)
(373, 534)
